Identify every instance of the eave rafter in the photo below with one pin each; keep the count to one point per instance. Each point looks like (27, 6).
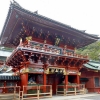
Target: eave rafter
(20, 56)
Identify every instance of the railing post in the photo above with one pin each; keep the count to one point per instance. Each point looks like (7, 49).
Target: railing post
(14, 95)
(75, 90)
(56, 89)
(19, 93)
(50, 91)
(22, 95)
(64, 92)
(38, 92)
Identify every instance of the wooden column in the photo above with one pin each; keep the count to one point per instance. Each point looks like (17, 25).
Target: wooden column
(24, 80)
(44, 81)
(66, 81)
(5, 89)
(55, 83)
(78, 79)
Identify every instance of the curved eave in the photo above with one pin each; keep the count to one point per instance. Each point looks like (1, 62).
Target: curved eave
(92, 65)
(25, 13)
(55, 22)
(15, 55)
(6, 21)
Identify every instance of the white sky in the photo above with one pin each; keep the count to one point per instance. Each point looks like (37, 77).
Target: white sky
(80, 14)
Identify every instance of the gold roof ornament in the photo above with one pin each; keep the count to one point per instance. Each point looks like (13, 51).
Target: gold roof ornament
(29, 38)
(57, 41)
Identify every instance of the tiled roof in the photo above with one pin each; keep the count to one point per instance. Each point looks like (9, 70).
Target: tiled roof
(78, 38)
(13, 78)
(95, 65)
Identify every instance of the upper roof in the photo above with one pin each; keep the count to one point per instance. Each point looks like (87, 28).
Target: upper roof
(21, 23)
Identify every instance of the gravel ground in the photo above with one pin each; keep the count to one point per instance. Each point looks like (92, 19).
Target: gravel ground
(77, 97)
(92, 98)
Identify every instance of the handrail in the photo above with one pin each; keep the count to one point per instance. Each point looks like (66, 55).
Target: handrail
(39, 91)
(13, 93)
(70, 89)
(36, 46)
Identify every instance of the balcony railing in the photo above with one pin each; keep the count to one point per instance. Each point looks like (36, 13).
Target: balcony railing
(46, 48)
(70, 89)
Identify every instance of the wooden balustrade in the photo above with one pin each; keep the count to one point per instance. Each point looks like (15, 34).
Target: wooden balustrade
(10, 92)
(29, 92)
(51, 49)
(70, 89)
(36, 92)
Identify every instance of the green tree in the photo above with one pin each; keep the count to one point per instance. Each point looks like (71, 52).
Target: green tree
(93, 51)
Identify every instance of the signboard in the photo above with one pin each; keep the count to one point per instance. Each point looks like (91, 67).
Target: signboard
(40, 70)
(72, 71)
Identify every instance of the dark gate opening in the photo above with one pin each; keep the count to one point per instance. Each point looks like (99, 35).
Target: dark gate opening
(72, 78)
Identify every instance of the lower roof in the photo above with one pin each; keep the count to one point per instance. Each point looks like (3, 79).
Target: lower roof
(94, 65)
(10, 78)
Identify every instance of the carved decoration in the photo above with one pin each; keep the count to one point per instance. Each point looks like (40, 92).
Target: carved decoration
(57, 41)
(24, 70)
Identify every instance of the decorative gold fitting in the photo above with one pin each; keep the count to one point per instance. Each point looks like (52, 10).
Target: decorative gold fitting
(29, 38)
(79, 73)
(52, 70)
(46, 71)
(64, 72)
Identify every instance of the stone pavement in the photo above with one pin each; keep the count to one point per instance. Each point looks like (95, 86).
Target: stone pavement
(77, 97)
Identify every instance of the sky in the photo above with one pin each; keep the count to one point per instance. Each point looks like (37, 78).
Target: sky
(79, 14)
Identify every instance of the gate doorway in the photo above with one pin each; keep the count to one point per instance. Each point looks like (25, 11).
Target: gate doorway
(54, 80)
(72, 79)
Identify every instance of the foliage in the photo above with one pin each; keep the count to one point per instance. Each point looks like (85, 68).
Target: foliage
(93, 51)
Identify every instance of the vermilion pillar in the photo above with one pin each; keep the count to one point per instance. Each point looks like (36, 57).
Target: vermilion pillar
(44, 79)
(66, 81)
(44, 82)
(24, 80)
(78, 79)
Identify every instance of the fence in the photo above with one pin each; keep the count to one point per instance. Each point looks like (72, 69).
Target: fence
(70, 89)
(10, 93)
(36, 92)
